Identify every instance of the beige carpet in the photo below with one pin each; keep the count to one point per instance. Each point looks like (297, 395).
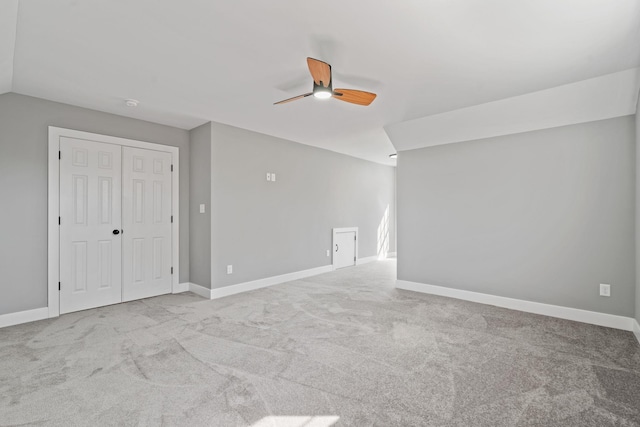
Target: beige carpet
(343, 348)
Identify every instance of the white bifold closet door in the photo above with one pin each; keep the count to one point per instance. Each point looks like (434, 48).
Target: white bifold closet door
(115, 224)
(90, 214)
(146, 221)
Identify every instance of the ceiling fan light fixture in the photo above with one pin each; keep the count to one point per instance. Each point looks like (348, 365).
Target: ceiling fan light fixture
(322, 94)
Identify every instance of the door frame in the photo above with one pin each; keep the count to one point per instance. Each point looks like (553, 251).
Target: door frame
(53, 230)
(333, 243)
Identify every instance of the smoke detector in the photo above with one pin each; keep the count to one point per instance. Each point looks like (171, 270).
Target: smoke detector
(131, 102)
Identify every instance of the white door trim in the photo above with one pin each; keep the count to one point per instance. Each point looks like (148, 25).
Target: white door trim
(333, 242)
(53, 245)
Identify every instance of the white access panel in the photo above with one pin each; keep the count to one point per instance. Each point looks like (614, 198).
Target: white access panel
(90, 214)
(344, 247)
(146, 220)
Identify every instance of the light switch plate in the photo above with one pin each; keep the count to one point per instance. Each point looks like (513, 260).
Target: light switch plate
(605, 290)
(268, 176)
(202, 208)
(273, 176)
(229, 269)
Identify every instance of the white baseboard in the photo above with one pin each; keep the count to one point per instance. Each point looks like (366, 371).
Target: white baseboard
(636, 330)
(11, 319)
(268, 281)
(367, 259)
(200, 290)
(181, 287)
(576, 314)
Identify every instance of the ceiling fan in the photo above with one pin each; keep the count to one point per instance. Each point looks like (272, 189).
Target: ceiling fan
(323, 87)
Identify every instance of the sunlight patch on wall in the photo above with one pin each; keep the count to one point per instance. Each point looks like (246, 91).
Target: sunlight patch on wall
(383, 235)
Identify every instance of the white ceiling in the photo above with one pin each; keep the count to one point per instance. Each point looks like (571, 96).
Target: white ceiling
(192, 61)
(604, 97)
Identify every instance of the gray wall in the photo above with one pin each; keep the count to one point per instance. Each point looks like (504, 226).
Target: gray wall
(200, 223)
(23, 187)
(543, 216)
(265, 228)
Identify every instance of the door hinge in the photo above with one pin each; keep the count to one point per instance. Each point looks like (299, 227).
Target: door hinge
(171, 168)
(59, 286)
(354, 259)
(171, 219)
(59, 155)
(354, 237)
(171, 270)
(59, 221)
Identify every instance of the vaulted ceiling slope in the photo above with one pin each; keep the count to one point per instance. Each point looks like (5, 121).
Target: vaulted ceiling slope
(228, 61)
(604, 97)
(8, 21)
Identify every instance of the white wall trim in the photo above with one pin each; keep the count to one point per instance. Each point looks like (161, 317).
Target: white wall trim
(200, 290)
(11, 319)
(636, 330)
(268, 281)
(53, 242)
(367, 259)
(180, 287)
(578, 315)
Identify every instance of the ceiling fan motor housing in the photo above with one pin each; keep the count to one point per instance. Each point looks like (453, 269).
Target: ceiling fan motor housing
(320, 88)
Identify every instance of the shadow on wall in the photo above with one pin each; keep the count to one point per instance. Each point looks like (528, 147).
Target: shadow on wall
(383, 235)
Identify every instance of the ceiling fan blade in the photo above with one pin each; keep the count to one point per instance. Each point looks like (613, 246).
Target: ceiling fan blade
(320, 71)
(359, 97)
(284, 101)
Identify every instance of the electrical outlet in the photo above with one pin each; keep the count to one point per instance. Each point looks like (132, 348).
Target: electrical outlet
(268, 176)
(328, 252)
(229, 269)
(605, 290)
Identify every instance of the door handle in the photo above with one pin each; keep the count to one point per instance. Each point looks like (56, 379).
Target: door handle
(337, 247)
(116, 232)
